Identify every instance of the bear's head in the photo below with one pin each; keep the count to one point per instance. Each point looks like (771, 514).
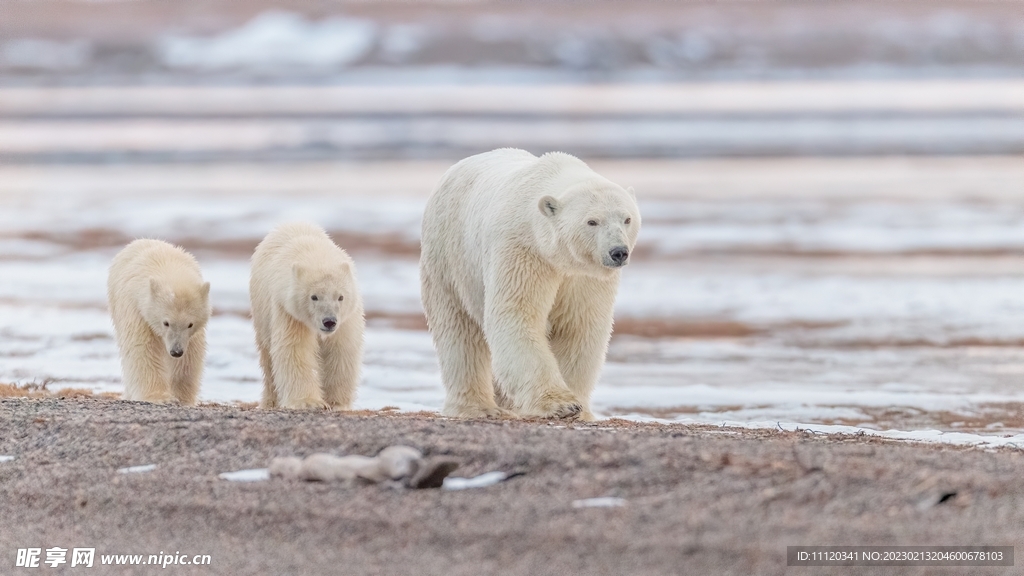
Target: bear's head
(590, 228)
(176, 313)
(322, 299)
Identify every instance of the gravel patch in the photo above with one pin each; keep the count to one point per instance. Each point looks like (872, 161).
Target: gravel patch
(688, 499)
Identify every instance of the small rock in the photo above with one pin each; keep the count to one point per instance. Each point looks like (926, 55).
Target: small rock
(329, 468)
(432, 473)
(399, 466)
(396, 462)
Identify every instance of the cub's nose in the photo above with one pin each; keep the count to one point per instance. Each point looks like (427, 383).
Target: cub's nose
(329, 324)
(619, 255)
(177, 352)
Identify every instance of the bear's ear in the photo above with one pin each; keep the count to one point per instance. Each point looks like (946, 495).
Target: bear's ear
(297, 271)
(631, 192)
(155, 289)
(549, 206)
(205, 290)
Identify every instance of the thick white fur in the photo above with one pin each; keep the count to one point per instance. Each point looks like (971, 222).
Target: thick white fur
(516, 285)
(152, 283)
(303, 365)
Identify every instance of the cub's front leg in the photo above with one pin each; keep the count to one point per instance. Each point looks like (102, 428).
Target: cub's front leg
(293, 357)
(341, 356)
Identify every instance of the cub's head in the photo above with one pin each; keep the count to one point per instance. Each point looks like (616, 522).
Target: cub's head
(591, 227)
(175, 314)
(322, 299)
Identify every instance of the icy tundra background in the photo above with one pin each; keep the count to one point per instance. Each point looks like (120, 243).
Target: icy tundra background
(833, 193)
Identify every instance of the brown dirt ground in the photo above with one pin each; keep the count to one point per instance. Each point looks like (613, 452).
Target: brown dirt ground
(700, 499)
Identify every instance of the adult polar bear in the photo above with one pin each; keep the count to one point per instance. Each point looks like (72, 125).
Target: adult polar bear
(519, 268)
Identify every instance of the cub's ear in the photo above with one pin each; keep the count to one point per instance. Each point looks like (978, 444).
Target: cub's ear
(297, 271)
(205, 290)
(549, 206)
(631, 192)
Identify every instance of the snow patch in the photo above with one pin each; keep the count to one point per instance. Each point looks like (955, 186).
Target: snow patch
(137, 469)
(273, 41)
(931, 436)
(250, 475)
(602, 502)
(481, 481)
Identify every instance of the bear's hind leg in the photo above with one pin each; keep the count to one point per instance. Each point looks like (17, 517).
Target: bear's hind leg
(269, 399)
(187, 371)
(341, 357)
(293, 356)
(463, 355)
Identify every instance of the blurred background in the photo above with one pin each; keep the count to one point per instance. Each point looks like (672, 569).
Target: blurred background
(217, 80)
(833, 192)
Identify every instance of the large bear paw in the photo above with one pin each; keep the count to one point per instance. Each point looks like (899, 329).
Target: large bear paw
(557, 404)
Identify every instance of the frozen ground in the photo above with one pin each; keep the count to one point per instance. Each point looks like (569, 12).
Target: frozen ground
(878, 293)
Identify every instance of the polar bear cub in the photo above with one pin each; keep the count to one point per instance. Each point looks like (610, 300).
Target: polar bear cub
(160, 305)
(308, 316)
(519, 269)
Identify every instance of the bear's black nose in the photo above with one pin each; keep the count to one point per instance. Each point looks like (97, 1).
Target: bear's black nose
(619, 254)
(330, 323)
(177, 352)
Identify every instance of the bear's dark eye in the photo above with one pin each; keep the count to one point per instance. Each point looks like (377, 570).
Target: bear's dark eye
(591, 222)
(189, 324)
(340, 298)
(628, 220)
(166, 323)
(313, 298)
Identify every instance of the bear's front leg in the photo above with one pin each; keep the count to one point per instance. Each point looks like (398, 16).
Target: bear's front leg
(293, 356)
(187, 371)
(580, 326)
(516, 330)
(143, 363)
(341, 356)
